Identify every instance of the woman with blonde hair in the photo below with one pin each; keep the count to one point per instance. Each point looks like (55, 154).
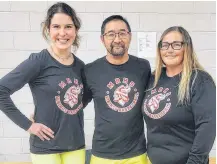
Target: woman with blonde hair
(180, 105)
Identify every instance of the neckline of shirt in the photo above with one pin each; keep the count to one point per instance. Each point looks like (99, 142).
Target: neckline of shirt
(117, 65)
(177, 76)
(60, 64)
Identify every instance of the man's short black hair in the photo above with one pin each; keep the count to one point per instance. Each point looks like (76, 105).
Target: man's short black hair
(111, 18)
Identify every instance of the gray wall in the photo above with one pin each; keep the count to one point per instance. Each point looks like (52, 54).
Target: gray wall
(20, 35)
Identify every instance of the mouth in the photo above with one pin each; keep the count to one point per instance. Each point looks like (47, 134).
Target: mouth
(170, 56)
(62, 41)
(117, 46)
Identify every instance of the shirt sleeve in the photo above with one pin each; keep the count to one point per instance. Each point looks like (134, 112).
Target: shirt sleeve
(13, 81)
(204, 111)
(148, 76)
(87, 96)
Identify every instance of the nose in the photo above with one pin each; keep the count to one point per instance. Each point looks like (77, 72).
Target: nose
(117, 38)
(62, 32)
(170, 49)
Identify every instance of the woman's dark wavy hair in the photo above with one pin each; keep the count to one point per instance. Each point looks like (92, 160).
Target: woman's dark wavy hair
(61, 7)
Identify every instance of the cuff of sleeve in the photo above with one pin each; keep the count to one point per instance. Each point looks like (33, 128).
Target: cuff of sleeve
(198, 159)
(26, 125)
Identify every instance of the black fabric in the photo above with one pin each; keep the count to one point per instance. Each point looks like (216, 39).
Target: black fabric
(180, 134)
(117, 92)
(57, 92)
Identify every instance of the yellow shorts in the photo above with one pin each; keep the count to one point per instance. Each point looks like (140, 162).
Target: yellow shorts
(141, 159)
(72, 157)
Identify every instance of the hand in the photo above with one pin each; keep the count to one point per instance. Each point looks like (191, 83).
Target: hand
(40, 130)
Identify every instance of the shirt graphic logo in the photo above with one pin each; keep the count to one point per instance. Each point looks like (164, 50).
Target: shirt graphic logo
(124, 96)
(70, 95)
(121, 94)
(154, 103)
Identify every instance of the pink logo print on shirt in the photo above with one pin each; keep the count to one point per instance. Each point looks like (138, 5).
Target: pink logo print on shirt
(152, 103)
(120, 90)
(121, 94)
(71, 96)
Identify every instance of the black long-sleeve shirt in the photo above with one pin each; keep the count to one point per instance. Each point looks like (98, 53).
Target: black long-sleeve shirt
(57, 91)
(117, 92)
(180, 134)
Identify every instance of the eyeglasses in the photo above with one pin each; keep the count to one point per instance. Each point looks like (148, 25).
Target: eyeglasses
(112, 35)
(176, 45)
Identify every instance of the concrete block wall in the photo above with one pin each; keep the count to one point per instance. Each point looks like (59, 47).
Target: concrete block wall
(21, 34)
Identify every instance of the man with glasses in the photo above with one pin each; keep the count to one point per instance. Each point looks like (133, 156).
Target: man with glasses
(117, 82)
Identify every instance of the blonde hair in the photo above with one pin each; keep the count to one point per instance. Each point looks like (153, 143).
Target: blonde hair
(190, 64)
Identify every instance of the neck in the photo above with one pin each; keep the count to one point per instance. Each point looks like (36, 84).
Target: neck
(172, 71)
(61, 53)
(117, 60)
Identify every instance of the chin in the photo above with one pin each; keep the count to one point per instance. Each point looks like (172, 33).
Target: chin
(169, 62)
(117, 54)
(172, 65)
(65, 47)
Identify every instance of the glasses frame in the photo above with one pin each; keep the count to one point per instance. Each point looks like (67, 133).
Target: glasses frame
(171, 44)
(116, 33)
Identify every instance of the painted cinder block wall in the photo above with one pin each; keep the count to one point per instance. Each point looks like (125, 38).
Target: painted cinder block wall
(21, 34)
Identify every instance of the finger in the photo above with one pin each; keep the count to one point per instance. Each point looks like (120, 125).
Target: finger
(39, 135)
(48, 133)
(48, 129)
(44, 136)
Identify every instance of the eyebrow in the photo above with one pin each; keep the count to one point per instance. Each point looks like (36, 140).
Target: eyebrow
(173, 41)
(65, 24)
(114, 31)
